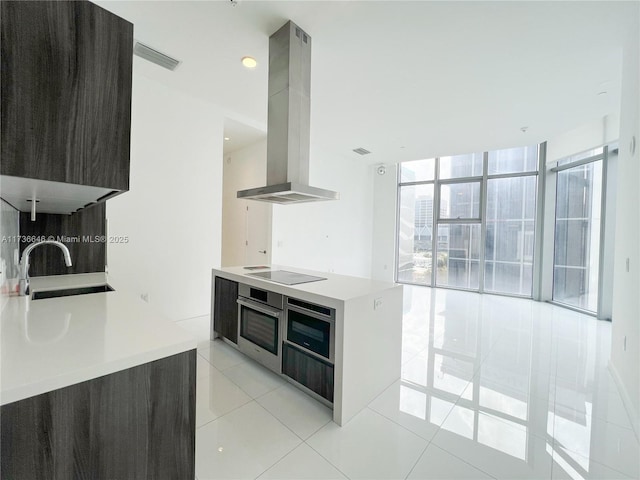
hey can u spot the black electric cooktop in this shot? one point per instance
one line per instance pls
(285, 277)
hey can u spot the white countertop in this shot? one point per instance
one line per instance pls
(53, 343)
(335, 287)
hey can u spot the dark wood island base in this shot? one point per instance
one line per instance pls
(138, 423)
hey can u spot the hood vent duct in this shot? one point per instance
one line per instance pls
(288, 122)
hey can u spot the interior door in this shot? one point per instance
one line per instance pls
(258, 239)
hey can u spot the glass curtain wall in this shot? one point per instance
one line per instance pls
(510, 214)
(415, 222)
(475, 215)
(577, 236)
(415, 235)
(459, 220)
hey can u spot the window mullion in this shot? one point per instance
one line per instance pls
(483, 221)
(434, 222)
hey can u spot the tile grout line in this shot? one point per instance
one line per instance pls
(233, 409)
(418, 460)
(208, 315)
(554, 358)
(245, 392)
(322, 456)
(279, 459)
(302, 440)
(463, 460)
(226, 413)
(458, 458)
(403, 427)
(220, 416)
(225, 368)
(411, 432)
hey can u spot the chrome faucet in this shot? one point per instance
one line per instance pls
(24, 262)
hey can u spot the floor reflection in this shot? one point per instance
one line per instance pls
(506, 377)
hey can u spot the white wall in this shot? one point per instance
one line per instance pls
(626, 286)
(331, 236)
(585, 137)
(243, 168)
(383, 263)
(172, 213)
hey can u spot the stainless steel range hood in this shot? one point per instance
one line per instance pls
(288, 122)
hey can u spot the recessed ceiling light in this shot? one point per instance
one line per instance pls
(602, 93)
(249, 62)
(524, 129)
(227, 138)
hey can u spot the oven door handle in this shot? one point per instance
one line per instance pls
(267, 310)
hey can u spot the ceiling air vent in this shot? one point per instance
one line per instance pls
(361, 151)
(154, 56)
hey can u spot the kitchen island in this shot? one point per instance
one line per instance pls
(94, 386)
(367, 329)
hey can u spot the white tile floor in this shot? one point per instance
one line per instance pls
(490, 387)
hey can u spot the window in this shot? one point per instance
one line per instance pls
(580, 157)
(461, 166)
(459, 249)
(511, 213)
(468, 221)
(513, 160)
(415, 234)
(418, 170)
(577, 236)
(460, 201)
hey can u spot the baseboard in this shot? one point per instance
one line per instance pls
(626, 400)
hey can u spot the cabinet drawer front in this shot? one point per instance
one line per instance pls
(309, 371)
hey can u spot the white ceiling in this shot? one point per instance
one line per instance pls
(404, 80)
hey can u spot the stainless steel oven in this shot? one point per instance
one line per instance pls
(260, 318)
(311, 328)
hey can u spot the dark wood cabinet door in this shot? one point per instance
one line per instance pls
(307, 370)
(66, 93)
(138, 423)
(225, 311)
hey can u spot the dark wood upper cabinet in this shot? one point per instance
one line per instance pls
(66, 93)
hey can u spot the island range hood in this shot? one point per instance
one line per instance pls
(288, 122)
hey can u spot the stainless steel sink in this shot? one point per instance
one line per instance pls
(67, 292)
